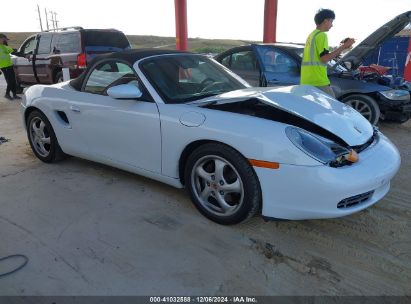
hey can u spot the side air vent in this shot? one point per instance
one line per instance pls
(63, 116)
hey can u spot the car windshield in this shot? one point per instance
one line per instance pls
(188, 77)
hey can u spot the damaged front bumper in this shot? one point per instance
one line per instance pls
(395, 110)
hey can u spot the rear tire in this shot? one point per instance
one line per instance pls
(222, 184)
(365, 105)
(42, 138)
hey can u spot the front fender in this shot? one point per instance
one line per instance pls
(254, 138)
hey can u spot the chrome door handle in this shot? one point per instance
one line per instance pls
(75, 109)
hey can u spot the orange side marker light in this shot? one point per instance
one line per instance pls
(352, 156)
(264, 164)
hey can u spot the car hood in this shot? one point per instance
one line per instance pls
(362, 50)
(308, 103)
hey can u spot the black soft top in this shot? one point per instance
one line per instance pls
(129, 56)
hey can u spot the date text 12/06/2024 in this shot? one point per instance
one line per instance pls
(220, 299)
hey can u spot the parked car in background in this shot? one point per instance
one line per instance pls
(279, 64)
(185, 120)
(41, 57)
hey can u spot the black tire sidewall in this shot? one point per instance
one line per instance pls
(370, 102)
(252, 191)
(54, 147)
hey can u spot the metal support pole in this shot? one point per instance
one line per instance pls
(41, 24)
(52, 20)
(181, 24)
(47, 20)
(270, 21)
(55, 20)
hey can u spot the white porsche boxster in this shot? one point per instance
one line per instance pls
(185, 120)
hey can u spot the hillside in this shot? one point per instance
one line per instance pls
(139, 41)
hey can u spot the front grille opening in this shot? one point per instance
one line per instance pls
(355, 200)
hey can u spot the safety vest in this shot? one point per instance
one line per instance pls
(5, 59)
(313, 70)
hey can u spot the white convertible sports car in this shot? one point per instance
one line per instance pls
(185, 120)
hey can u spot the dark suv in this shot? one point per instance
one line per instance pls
(41, 57)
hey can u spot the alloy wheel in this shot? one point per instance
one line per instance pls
(361, 107)
(40, 136)
(217, 185)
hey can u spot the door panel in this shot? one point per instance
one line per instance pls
(23, 67)
(252, 77)
(244, 63)
(23, 64)
(124, 131)
(43, 68)
(279, 69)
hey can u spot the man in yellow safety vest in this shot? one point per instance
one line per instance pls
(6, 66)
(317, 54)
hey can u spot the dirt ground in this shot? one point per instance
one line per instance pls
(88, 229)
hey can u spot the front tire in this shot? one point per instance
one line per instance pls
(42, 138)
(222, 184)
(365, 105)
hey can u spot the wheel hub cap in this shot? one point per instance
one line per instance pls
(217, 185)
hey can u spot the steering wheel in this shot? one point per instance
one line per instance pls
(206, 81)
(211, 85)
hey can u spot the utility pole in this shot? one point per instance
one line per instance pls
(52, 20)
(55, 20)
(47, 20)
(38, 10)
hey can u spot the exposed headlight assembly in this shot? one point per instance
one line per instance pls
(320, 148)
(396, 94)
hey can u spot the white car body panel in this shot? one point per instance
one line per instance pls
(105, 122)
(314, 105)
(229, 128)
(148, 138)
(314, 193)
(98, 125)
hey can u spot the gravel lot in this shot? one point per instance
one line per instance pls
(89, 229)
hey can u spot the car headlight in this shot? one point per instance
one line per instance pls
(320, 148)
(396, 94)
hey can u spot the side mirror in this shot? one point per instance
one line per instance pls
(56, 51)
(124, 91)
